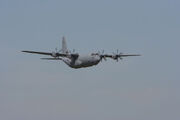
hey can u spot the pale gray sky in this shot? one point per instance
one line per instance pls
(137, 88)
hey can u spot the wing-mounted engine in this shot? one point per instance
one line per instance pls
(115, 56)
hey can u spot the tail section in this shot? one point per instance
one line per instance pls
(64, 46)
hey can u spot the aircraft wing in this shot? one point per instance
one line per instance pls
(54, 54)
(34, 52)
(46, 53)
(118, 56)
(51, 58)
(128, 55)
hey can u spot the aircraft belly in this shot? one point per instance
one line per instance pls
(89, 63)
(84, 61)
(81, 64)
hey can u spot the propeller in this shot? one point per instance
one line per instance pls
(102, 56)
(120, 56)
(117, 55)
(55, 53)
(56, 49)
(73, 51)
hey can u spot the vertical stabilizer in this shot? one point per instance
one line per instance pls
(64, 46)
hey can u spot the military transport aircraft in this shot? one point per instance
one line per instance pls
(75, 60)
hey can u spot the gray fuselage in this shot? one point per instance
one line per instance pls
(82, 61)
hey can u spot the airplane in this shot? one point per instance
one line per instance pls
(76, 60)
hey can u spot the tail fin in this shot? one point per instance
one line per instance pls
(64, 46)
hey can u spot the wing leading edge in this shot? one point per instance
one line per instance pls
(34, 52)
(118, 56)
(55, 55)
(47, 53)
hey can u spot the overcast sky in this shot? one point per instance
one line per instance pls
(136, 88)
